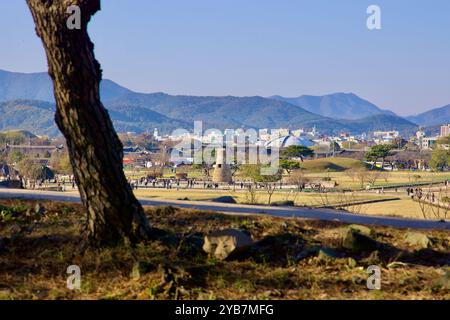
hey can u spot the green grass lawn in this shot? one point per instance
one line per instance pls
(386, 179)
(317, 170)
(335, 169)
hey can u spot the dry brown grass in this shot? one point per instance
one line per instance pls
(39, 248)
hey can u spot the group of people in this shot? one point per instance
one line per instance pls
(61, 183)
(417, 193)
(154, 183)
(170, 183)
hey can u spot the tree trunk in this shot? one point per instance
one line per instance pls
(113, 212)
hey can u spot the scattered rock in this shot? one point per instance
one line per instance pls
(39, 209)
(272, 293)
(418, 239)
(284, 225)
(224, 199)
(286, 203)
(281, 248)
(397, 264)
(357, 242)
(191, 245)
(41, 294)
(326, 254)
(306, 252)
(140, 268)
(358, 228)
(226, 243)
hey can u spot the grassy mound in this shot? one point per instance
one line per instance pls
(332, 164)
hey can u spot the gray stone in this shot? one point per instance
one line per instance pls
(226, 243)
(272, 293)
(327, 254)
(418, 239)
(224, 199)
(357, 242)
(41, 294)
(285, 203)
(307, 252)
(11, 184)
(39, 209)
(359, 228)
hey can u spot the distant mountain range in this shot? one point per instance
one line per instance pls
(38, 117)
(30, 115)
(33, 86)
(346, 106)
(434, 117)
(28, 104)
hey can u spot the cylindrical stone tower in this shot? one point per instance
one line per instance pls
(222, 171)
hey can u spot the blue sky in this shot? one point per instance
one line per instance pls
(261, 47)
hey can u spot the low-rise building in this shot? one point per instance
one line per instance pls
(429, 143)
(385, 137)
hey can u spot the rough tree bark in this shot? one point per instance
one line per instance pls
(113, 212)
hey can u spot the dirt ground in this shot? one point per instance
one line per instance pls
(39, 241)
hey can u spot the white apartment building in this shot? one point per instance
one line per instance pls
(445, 130)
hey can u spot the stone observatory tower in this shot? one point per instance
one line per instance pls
(222, 171)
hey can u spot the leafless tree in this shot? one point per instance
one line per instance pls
(434, 202)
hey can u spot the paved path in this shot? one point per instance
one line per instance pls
(239, 209)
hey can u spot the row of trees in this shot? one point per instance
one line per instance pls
(269, 182)
(22, 137)
(29, 167)
(440, 160)
(366, 177)
(440, 157)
